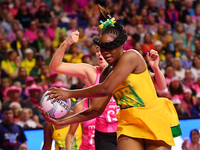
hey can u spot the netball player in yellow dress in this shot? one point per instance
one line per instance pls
(146, 122)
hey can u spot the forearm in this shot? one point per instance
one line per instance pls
(85, 115)
(69, 141)
(57, 57)
(159, 78)
(91, 92)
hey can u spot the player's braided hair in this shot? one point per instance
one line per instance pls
(117, 29)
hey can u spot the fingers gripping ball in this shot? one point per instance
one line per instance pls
(57, 109)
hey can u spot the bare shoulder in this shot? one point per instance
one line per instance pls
(131, 56)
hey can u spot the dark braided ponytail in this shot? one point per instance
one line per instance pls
(117, 30)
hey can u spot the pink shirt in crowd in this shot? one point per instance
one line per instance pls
(50, 33)
(31, 35)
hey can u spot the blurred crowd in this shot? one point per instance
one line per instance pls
(32, 30)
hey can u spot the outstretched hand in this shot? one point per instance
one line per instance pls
(57, 93)
(48, 118)
(153, 58)
(72, 38)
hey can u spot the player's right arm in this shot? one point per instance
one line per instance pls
(73, 127)
(47, 137)
(84, 71)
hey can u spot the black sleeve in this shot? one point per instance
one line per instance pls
(23, 137)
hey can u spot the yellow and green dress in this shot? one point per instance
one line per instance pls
(59, 136)
(142, 114)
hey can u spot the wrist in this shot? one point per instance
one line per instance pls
(155, 68)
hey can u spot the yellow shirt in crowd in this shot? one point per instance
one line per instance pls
(28, 65)
(9, 65)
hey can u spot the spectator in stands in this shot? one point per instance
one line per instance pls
(143, 17)
(25, 119)
(34, 6)
(75, 54)
(194, 144)
(151, 26)
(4, 11)
(52, 78)
(176, 88)
(179, 108)
(43, 16)
(21, 77)
(45, 77)
(11, 64)
(163, 36)
(167, 62)
(162, 19)
(196, 17)
(5, 83)
(197, 46)
(15, 8)
(16, 108)
(36, 72)
(12, 35)
(34, 95)
(159, 49)
(16, 44)
(24, 16)
(172, 14)
(196, 67)
(188, 11)
(187, 61)
(7, 23)
(25, 44)
(152, 9)
(57, 10)
(189, 24)
(179, 49)
(31, 33)
(188, 101)
(48, 49)
(91, 10)
(13, 95)
(148, 43)
(93, 28)
(141, 31)
(188, 80)
(169, 74)
(38, 44)
(197, 31)
(131, 41)
(11, 134)
(3, 49)
(55, 33)
(195, 110)
(138, 47)
(179, 71)
(72, 27)
(70, 7)
(29, 62)
(131, 26)
(179, 33)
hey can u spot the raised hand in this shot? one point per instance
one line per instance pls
(153, 58)
(73, 38)
(57, 93)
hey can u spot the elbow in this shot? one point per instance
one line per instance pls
(105, 91)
